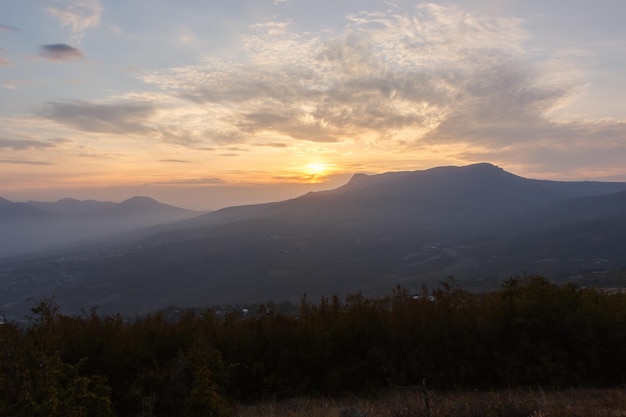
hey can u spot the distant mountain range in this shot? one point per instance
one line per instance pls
(478, 223)
(35, 226)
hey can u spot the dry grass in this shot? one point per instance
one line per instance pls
(412, 403)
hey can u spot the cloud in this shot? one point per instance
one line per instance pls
(60, 52)
(7, 28)
(193, 181)
(143, 116)
(77, 15)
(177, 135)
(22, 144)
(580, 148)
(273, 145)
(176, 161)
(23, 162)
(90, 152)
(419, 78)
(416, 78)
(394, 75)
(115, 118)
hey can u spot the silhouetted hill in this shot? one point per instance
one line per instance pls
(73, 207)
(40, 226)
(445, 200)
(10, 211)
(478, 222)
(141, 203)
(132, 206)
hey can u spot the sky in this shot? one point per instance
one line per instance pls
(209, 103)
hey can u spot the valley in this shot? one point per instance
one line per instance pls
(477, 223)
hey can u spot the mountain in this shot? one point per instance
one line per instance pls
(138, 205)
(73, 207)
(34, 226)
(148, 206)
(444, 200)
(478, 222)
(10, 211)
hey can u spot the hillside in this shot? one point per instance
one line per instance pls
(479, 223)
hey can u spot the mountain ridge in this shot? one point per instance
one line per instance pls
(33, 226)
(478, 222)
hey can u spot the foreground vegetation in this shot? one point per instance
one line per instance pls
(531, 333)
(413, 403)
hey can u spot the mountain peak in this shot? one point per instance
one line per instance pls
(481, 169)
(358, 178)
(139, 201)
(485, 166)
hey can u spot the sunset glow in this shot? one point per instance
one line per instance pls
(316, 169)
(195, 103)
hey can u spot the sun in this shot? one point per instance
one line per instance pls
(316, 169)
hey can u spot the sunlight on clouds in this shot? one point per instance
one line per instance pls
(401, 88)
(385, 73)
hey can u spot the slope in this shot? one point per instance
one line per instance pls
(477, 222)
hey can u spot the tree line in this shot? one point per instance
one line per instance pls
(530, 332)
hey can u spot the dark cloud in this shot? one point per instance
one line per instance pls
(23, 162)
(94, 155)
(60, 52)
(22, 144)
(60, 141)
(194, 181)
(7, 28)
(176, 161)
(273, 145)
(118, 118)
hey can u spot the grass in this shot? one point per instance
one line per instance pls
(412, 403)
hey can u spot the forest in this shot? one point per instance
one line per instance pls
(529, 333)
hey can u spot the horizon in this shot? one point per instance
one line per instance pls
(204, 105)
(240, 199)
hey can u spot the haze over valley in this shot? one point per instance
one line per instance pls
(478, 223)
(34, 226)
(196, 153)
